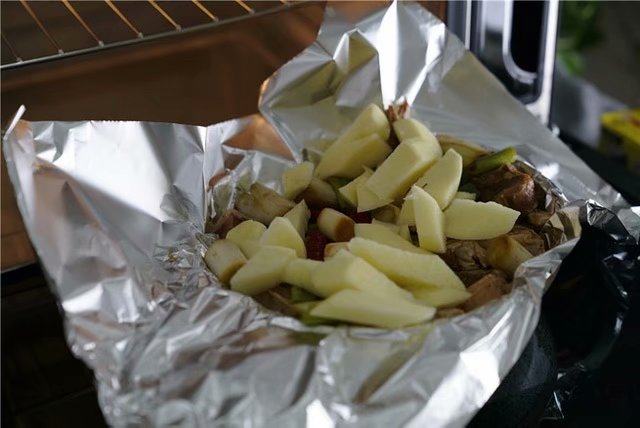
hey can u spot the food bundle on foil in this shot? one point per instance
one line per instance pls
(120, 215)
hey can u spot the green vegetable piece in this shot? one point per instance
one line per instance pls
(299, 295)
(492, 161)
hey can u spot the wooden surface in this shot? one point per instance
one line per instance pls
(199, 77)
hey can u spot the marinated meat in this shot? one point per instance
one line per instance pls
(538, 218)
(226, 222)
(394, 113)
(484, 290)
(468, 277)
(507, 186)
(528, 238)
(262, 204)
(465, 255)
(449, 312)
(315, 243)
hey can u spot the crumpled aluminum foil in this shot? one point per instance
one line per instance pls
(116, 212)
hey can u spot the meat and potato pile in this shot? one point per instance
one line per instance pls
(391, 227)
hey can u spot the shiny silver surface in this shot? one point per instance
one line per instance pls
(116, 211)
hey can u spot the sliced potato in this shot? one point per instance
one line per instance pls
(335, 225)
(469, 151)
(465, 195)
(406, 215)
(391, 226)
(348, 161)
(345, 270)
(298, 272)
(404, 232)
(387, 214)
(263, 271)
(443, 179)
(506, 254)
(224, 258)
(383, 235)
(371, 120)
(440, 298)
(407, 269)
(296, 179)
(349, 191)
(247, 236)
(403, 167)
(367, 200)
(429, 221)
(319, 194)
(407, 129)
(334, 248)
(370, 309)
(470, 220)
(299, 217)
(262, 204)
(281, 233)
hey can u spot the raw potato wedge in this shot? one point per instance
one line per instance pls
(281, 233)
(387, 214)
(406, 213)
(348, 162)
(262, 204)
(383, 235)
(367, 200)
(403, 231)
(465, 195)
(335, 225)
(224, 258)
(344, 270)
(296, 179)
(505, 253)
(298, 272)
(407, 129)
(247, 236)
(443, 179)
(350, 191)
(392, 227)
(429, 221)
(319, 194)
(372, 120)
(440, 298)
(334, 248)
(263, 271)
(299, 218)
(407, 269)
(469, 151)
(403, 167)
(370, 309)
(465, 219)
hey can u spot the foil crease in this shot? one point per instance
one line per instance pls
(116, 212)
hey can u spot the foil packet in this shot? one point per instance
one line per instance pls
(117, 212)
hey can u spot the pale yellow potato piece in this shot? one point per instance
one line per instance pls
(440, 298)
(298, 272)
(506, 254)
(403, 231)
(350, 190)
(408, 161)
(335, 225)
(319, 194)
(374, 310)
(299, 218)
(296, 179)
(392, 227)
(406, 215)
(467, 150)
(407, 269)
(333, 248)
(367, 200)
(344, 270)
(387, 214)
(466, 219)
(247, 236)
(383, 235)
(263, 271)
(465, 195)
(407, 129)
(224, 258)
(348, 161)
(281, 233)
(443, 179)
(429, 221)
(372, 120)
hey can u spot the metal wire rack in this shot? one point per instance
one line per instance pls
(34, 32)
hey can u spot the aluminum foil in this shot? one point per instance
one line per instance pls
(116, 212)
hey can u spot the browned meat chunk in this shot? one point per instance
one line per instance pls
(465, 255)
(225, 223)
(507, 186)
(538, 218)
(483, 291)
(468, 277)
(528, 238)
(449, 312)
(262, 204)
